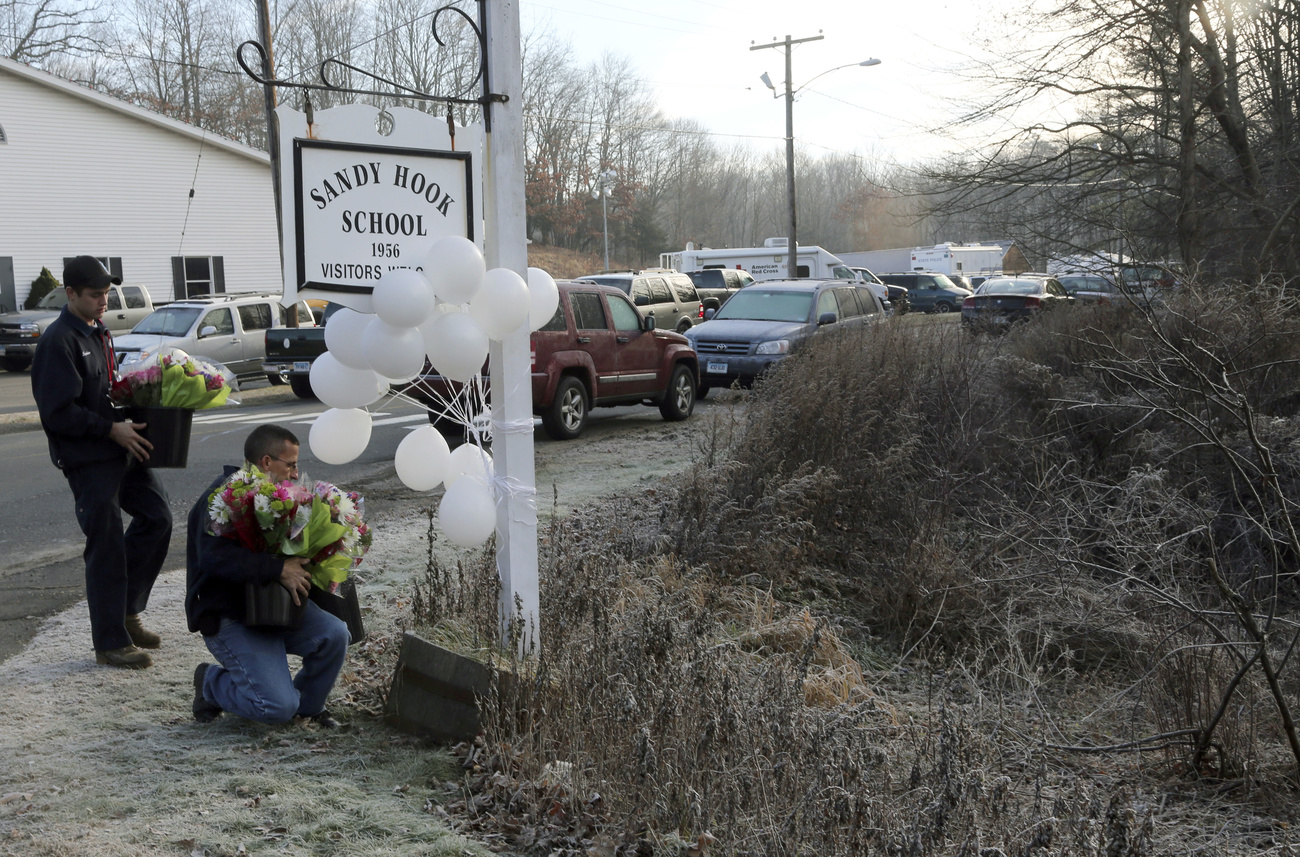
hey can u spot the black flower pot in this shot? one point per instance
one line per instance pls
(343, 604)
(270, 606)
(168, 429)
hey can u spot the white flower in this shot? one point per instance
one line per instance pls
(218, 509)
(262, 503)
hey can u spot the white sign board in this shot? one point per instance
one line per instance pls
(358, 203)
(364, 210)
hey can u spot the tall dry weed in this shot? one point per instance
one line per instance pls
(933, 593)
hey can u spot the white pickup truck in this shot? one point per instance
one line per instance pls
(19, 331)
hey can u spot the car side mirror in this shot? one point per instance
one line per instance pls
(207, 331)
(710, 313)
(826, 318)
(648, 323)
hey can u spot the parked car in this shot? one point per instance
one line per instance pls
(227, 329)
(928, 291)
(1003, 300)
(664, 295)
(873, 282)
(598, 350)
(290, 351)
(962, 281)
(1089, 288)
(766, 321)
(715, 285)
(20, 331)
(899, 299)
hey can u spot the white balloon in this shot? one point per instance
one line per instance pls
(339, 435)
(467, 513)
(470, 460)
(393, 352)
(341, 386)
(422, 459)
(343, 334)
(403, 297)
(454, 267)
(456, 345)
(543, 298)
(502, 303)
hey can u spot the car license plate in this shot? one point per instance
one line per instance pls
(715, 367)
(301, 366)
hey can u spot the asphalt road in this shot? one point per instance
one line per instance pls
(43, 572)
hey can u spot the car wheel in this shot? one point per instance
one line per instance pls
(277, 379)
(684, 326)
(679, 400)
(567, 415)
(301, 386)
(15, 364)
(943, 306)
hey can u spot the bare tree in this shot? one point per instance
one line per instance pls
(33, 31)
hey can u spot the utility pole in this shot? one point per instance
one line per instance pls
(792, 242)
(273, 133)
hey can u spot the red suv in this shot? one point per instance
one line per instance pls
(599, 351)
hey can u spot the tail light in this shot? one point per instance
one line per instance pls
(969, 303)
(532, 358)
(1033, 303)
(701, 311)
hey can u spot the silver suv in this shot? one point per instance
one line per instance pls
(663, 294)
(227, 329)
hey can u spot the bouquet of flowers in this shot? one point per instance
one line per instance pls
(173, 381)
(316, 521)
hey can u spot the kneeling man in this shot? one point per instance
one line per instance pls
(253, 678)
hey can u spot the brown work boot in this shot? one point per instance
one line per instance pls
(140, 635)
(127, 657)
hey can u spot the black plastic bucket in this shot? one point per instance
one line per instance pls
(269, 605)
(343, 604)
(168, 429)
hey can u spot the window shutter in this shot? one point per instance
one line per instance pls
(218, 275)
(178, 278)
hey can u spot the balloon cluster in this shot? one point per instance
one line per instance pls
(448, 312)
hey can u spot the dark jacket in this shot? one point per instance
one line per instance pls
(70, 382)
(217, 569)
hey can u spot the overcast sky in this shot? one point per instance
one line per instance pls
(696, 55)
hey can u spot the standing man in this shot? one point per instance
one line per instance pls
(102, 460)
(253, 679)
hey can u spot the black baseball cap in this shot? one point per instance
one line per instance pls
(87, 272)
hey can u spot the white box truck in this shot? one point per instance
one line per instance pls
(965, 259)
(768, 262)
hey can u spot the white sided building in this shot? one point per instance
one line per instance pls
(164, 204)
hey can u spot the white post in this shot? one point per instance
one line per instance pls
(511, 382)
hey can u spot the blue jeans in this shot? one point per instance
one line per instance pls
(253, 680)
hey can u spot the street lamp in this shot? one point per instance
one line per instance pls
(604, 187)
(792, 242)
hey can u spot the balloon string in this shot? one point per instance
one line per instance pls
(509, 486)
(502, 427)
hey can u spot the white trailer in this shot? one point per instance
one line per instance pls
(880, 261)
(763, 263)
(965, 259)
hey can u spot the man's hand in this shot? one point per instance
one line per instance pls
(128, 436)
(295, 578)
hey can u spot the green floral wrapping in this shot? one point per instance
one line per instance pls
(190, 389)
(319, 533)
